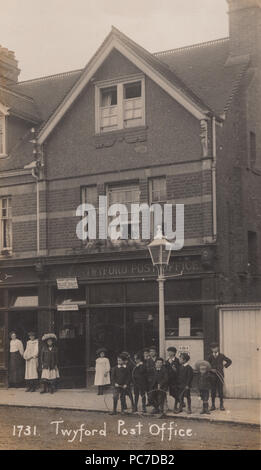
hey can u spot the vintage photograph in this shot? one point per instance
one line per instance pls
(130, 226)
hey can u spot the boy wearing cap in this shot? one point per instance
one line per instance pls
(139, 376)
(172, 365)
(150, 364)
(159, 387)
(217, 361)
(185, 378)
(121, 378)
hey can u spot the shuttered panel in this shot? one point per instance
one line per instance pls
(240, 331)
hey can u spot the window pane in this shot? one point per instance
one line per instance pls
(109, 96)
(158, 190)
(132, 90)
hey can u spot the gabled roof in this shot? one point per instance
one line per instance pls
(146, 62)
(199, 75)
(19, 105)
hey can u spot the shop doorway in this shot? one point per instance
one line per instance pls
(22, 322)
(70, 329)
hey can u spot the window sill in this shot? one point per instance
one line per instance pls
(184, 337)
(3, 155)
(129, 135)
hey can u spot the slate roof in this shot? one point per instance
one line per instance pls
(199, 71)
(206, 70)
(22, 106)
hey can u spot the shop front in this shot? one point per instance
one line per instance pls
(112, 304)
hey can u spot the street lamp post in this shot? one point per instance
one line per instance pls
(160, 252)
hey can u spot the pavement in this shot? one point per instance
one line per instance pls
(238, 411)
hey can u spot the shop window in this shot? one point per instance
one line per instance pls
(107, 293)
(182, 322)
(2, 136)
(120, 105)
(142, 292)
(26, 297)
(5, 224)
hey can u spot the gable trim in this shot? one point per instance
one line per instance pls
(92, 67)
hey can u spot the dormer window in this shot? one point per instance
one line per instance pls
(120, 105)
(2, 136)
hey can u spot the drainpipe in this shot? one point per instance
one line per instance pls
(214, 187)
(36, 176)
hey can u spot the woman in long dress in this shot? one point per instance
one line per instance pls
(31, 362)
(102, 370)
(16, 362)
(49, 361)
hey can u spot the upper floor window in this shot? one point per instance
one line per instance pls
(158, 190)
(5, 223)
(124, 194)
(120, 105)
(2, 136)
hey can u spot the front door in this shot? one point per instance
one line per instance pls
(240, 340)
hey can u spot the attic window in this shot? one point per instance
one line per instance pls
(120, 105)
(2, 136)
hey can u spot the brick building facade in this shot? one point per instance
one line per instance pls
(188, 124)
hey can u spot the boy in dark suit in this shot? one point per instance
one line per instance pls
(121, 378)
(204, 384)
(185, 378)
(172, 365)
(139, 376)
(217, 361)
(150, 364)
(159, 387)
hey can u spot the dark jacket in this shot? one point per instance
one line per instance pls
(204, 381)
(160, 378)
(120, 375)
(49, 358)
(173, 370)
(218, 362)
(185, 377)
(139, 376)
(150, 366)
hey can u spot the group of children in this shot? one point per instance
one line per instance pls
(151, 377)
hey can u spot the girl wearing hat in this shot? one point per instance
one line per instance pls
(102, 370)
(49, 361)
(16, 363)
(31, 362)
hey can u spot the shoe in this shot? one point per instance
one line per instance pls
(43, 391)
(213, 408)
(113, 413)
(189, 412)
(28, 389)
(144, 410)
(155, 411)
(202, 411)
(161, 415)
(222, 408)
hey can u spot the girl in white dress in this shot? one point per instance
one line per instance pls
(31, 362)
(102, 370)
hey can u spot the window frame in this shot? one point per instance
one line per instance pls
(8, 218)
(126, 186)
(119, 83)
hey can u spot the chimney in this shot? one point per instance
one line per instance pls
(9, 70)
(245, 30)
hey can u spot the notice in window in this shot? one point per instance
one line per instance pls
(184, 326)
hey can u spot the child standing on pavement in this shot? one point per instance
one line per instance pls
(139, 376)
(185, 378)
(121, 378)
(102, 370)
(204, 384)
(217, 361)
